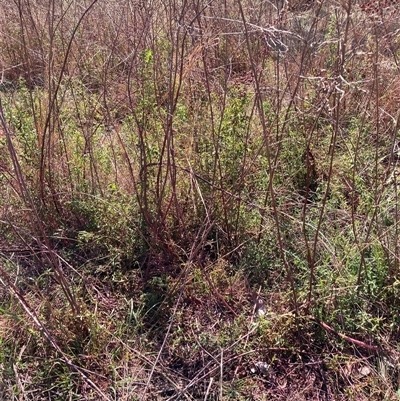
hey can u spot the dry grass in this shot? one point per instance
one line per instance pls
(164, 167)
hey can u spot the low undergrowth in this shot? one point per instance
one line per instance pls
(199, 201)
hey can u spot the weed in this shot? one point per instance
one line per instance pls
(165, 166)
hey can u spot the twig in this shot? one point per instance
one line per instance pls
(351, 340)
(208, 388)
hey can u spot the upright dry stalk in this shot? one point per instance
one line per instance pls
(271, 166)
(36, 223)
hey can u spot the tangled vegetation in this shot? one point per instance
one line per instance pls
(199, 200)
